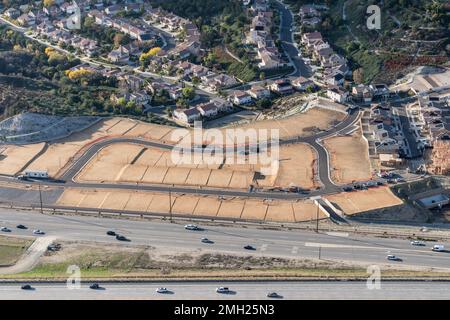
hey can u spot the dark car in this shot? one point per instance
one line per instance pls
(110, 233)
(121, 238)
(94, 286)
(348, 189)
(249, 247)
(21, 226)
(26, 287)
(273, 295)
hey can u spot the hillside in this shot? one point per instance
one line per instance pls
(413, 33)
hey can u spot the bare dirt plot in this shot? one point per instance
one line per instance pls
(185, 204)
(231, 208)
(364, 200)
(133, 173)
(198, 177)
(92, 199)
(14, 158)
(116, 200)
(139, 130)
(161, 133)
(299, 124)
(139, 201)
(54, 158)
(349, 158)
(119, 153)
(160, 203)
(220, 178)
(71, 198)
(150, 157)
(254, 210)
(207, 206)
(241, 180)
(297, 166)
(154, 175)
(176, 176)
(121, 127)
(280, 211)
(98, 171)
(307, 211)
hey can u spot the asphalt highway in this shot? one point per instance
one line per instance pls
(239, 290)
(287, 244)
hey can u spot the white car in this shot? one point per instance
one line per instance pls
(417, 243)
(438, 248)
(37, 231)
(5, 229)
(162, 290)
(223, 290)
(191, 227)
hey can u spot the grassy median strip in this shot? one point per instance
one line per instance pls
(11, 249)
(149, 263)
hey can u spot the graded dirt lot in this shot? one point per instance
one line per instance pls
(124, 162)
(364, 200)
(349, 158)
(14, 158)
(182, 204)
(299, 124)
(297, 166)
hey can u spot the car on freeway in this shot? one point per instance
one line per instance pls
(192, 227)
(21, 226)
(5, 229)
(110, 233)
(121, 238)
(249, 247)
(37, 231)
(26, 287)
(162, 290)
(438, 248)
(418, 243)
(392, 257)
(206, 240)
(348, 189)
(94, 286)
(223, 290)
(273, 295)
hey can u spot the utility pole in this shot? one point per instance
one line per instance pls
(40, 197)
(317, 218)
(170, 205)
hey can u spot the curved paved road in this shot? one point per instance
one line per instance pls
(314, 141)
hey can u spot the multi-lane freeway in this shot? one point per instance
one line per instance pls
(297, 290)
(287, 244)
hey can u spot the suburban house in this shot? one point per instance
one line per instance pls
(281, 86)
(241, 98)
(187, 115)
(337, 94)
(258, 92)
(208, 109)
(27, 19)
(12, 13)
(362, 93)
(119, 55)
(302, 83)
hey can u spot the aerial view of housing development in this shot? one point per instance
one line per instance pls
(194, 150)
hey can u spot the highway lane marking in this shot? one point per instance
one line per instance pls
(342, 246)
(338, 234)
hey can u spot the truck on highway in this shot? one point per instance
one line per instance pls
(438, 248)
